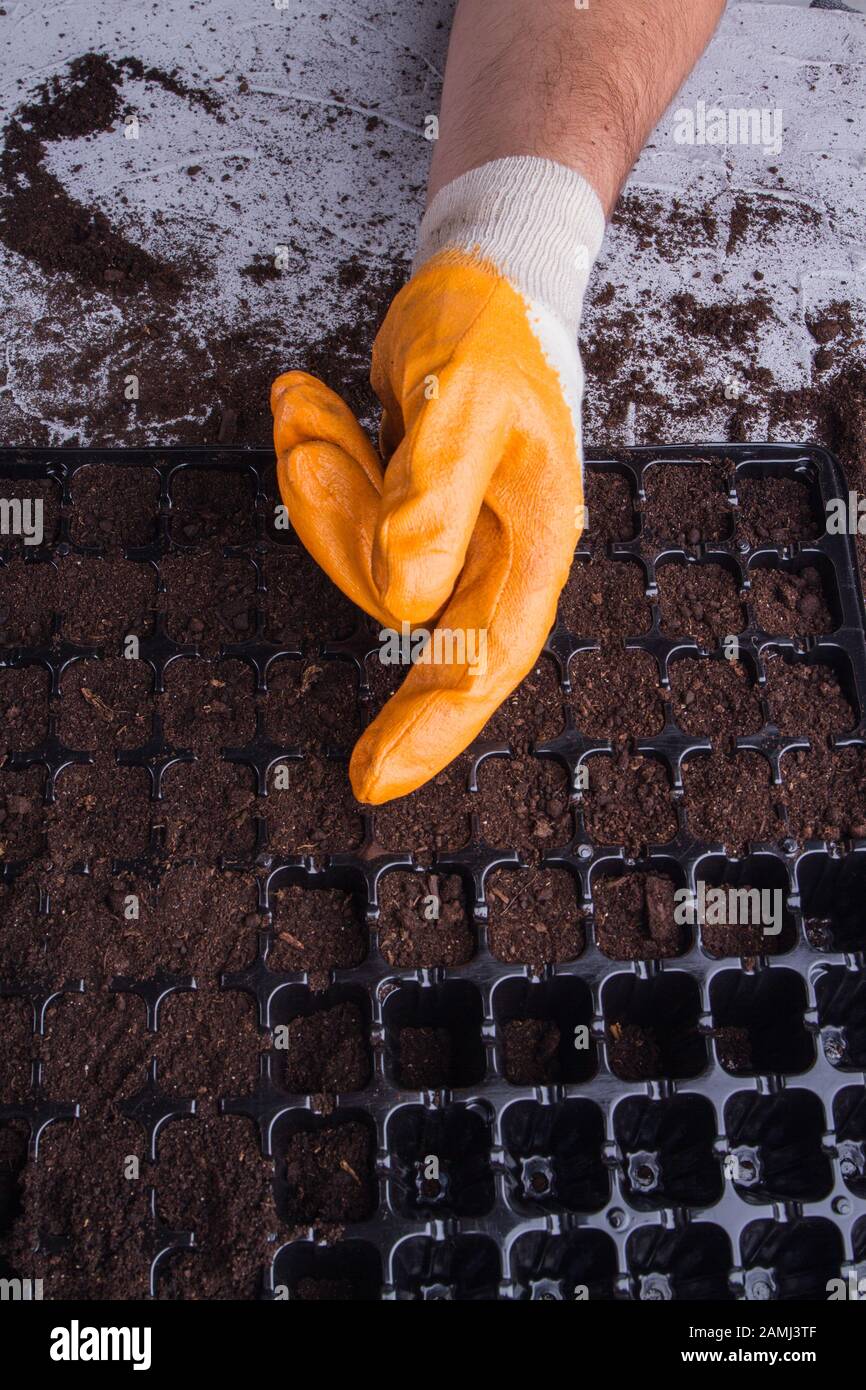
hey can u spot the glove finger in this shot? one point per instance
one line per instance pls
(502, 611)
(305, 409)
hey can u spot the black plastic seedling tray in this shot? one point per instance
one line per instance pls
(701, 1185)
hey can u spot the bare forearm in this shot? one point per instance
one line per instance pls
(584, 87)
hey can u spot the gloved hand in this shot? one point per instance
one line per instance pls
(471, 525)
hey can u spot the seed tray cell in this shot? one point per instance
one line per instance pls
(452, 1048)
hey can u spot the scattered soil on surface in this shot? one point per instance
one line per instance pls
(411, 936)
(616, 693)
(609, 504)
(629, 802)
(535, 918)
(700, 602)
(806, 699)
(687, 505)
(775, 511)
(605, 599)
(714, 699)
(791, 604)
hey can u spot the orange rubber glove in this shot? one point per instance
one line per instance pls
(471, 526)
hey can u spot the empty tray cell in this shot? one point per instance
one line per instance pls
(433, 1035)
(651, 1026)
(313, 704)
(424, 920)
(322, 1040)
(22, 814)
(524, 804)
(807, 697)
(209, 600)
(19, 1047)
(104, 599)
(635, 915)
(535, 916)
(30, 513)
(687, 1264)
(29, 592)
(208, 705)
(441, 1161)
(105, 703)
(628, 802)
(605, 599)
(667, 1155)
(742, 909)
(350, 1271)
(730, 800)
(774, 1143)
(687, 503)
(714, 699)
(207, 810)
(23, 707)
(299, 600)
(577, 1267)
(212, 1180)
(609, 503)
(825, 793)
(532, 713)
(325, 1168)
(791, 1259)
(849, 1123)
(310, 806)
(700, 602)
(464, 1269)
(758, 1022)
(777, 511)
(212, 506)
(796, 601)
(316, 929)
(616, 693)
(435, 817)
(554, 1156)
(114, 506)
(832, 893)
(543, 1030)
(841, 996)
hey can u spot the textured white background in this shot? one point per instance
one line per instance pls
(304, 168)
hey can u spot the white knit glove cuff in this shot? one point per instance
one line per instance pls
(540, 223)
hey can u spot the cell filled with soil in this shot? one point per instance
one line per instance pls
(700, 602)
(207, 810)
(310, 807)
(605, 599)
(316, 930)
(105, 702)
(301, 602)
(100, 812)
(730, 800)
(435, 817)
(209, 599)
(775, 511)
(825, 792)
(328, 1175)
(424, 921)
(23, 707)
(535, 916)
(19, 1048)
(806, 698)
(714, 699)
(312, 703)
(327, 1051)
(212, 506)
(525, 804)
(635, 917)
(208, 705)
(616, 692)
(530, 714)
(628, 802)
(687, 504)
(29, 597)
(34, 513)
(609, 502)
(22, 813)
(103, 598)
(114, 507)
(791, 604)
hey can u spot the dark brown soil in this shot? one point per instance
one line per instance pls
(411, 936)
(634, 917)
(700, 602)
(730, 800)
(775, 511)
(535, 918)
(747, 939)
(531, 1047)
(629, 802)
(605, 599)
(23, 707)
(114, 507)
(616, 692)
(327, 1051)
(714, 699)
(791, 604)
(426, 1059)
(610, 508)
(316, 932)
(687, 505)
(525, 805)
(329, 1174)
(825, 793)
(633, 1052)
(734, 1046)
(806, 699)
